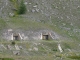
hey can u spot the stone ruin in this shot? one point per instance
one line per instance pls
(46, 36)
(30, 35)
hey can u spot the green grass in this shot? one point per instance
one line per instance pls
(6, 59)
(2, 24)
(74, 57)
(21, 23)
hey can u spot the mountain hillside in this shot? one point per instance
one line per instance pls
(63, 14)
(58, 18)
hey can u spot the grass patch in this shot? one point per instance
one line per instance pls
(6, 59)
(25, 24)
(2, 24)
(74, 57)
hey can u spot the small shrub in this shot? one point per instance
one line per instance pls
(21, 8)
(13, 43)
(54, 49)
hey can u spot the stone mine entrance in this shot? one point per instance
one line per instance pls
(45, 37)
(16, 36)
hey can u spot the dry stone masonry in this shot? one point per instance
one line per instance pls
(30, 35)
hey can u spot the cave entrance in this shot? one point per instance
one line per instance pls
(45, 37)
(16, 37)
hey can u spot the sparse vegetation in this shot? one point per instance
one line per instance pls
(2, 24)
(20, 7)
(74, 57)
(15, 3)
(47, 49)
(6, 59)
